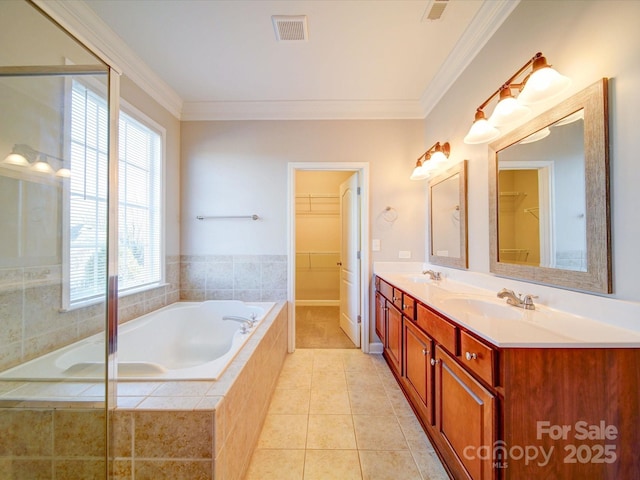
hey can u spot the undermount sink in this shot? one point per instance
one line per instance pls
(482, 307)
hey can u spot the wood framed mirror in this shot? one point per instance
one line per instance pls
(549, 196)
(448, 218)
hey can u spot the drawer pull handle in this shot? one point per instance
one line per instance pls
(434, 362)
(471, 356)
(425, 351)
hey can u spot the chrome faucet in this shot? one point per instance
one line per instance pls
(247, 323)
(519, 301)
(433, 275)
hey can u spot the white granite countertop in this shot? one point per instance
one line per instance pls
(481, 312)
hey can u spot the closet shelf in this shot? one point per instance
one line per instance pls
(317, 204)
(317, 260)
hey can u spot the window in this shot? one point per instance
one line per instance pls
(139, 206)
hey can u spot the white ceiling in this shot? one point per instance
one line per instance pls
(218, 59)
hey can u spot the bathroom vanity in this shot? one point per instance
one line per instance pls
(508, 393)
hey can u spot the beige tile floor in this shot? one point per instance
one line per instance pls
(339, 414)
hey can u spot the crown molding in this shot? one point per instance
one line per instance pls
(85, 25)
(484, 24)
(303, 110)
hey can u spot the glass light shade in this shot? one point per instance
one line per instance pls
(543, 84)
(42, 166)
(534, 137)
(16, 160)
(419, 173)
(507, 111)
(481, 131)
(63, 173)
(438, 157)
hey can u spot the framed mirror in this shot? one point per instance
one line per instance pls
(448, 217)
(549, 196)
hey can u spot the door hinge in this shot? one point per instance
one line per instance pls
(358, 255)
(359, 318)
(358, 191)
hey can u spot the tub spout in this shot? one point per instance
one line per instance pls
(247, 323)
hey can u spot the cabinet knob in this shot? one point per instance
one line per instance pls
(425, 351)
(434, 362)
(471, 356)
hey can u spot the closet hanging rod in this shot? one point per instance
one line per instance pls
(212, 217)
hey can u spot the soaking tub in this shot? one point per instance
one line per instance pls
(183, 341)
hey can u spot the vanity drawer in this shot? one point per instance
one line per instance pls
(408, 306)
(437, 328)
(385, 289)
(397, 298)
(478, 357)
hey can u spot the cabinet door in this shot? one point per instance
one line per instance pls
(418, 371)
(393, 346)
(381, 314)
(465, 417)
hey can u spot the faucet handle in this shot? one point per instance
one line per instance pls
(527, 301)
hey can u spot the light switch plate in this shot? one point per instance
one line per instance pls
(375, 244)
(404, 254)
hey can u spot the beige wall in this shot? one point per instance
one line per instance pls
(240, 167)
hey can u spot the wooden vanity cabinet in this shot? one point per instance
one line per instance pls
(393, 346)
(418, 372)
(465, 418)
(381, 317)
(469, 394)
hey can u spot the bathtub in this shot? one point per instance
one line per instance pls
(183, 341)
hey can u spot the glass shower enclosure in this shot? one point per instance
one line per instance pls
(57, 267)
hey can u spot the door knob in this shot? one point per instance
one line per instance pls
(471, 356)
(425, 352)
(434, 362)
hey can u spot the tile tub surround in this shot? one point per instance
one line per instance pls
(250, 278)
(31, 323)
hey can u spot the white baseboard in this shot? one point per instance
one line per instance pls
(375, 348)
(317, 303)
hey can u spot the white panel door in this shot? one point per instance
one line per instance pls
(350, 263)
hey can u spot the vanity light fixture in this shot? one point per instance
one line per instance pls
(541, 83)
(429, 160)
(25, 157)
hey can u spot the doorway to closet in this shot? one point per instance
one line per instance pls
(326, 258)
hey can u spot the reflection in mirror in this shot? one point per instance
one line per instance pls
(541, 198)
(549, 196)
(448, 217)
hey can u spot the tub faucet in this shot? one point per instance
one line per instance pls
(519, 301)
(247, 323)
(433, 275)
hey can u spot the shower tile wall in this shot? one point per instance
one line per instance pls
(33, 323)
(253, 278)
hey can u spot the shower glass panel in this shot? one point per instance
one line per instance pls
(54, 171)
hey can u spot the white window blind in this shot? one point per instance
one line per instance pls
(139, 229)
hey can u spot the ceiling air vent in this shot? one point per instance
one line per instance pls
(434, 10)
(290, 28)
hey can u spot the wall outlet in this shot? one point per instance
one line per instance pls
(404, 254)
(375, 244)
